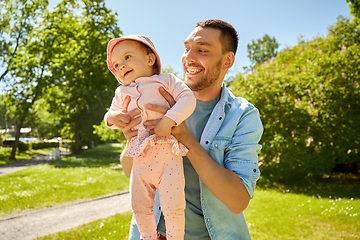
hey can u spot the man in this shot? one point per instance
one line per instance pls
(222, 136)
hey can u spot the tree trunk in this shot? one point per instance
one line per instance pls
(77, 137)
(17, 137)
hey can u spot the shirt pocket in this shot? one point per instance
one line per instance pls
(219, 144)
(217, 149)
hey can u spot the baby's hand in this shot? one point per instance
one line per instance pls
(164, 126)
(119, 118)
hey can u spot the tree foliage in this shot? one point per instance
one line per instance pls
(355, 9)
(87, 86)
(107, 134)
(309, 98)
(26, 60)
(61, 56)
(18, 18)
(262, 49)
(5, 121)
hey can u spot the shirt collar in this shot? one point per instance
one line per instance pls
(225, 95)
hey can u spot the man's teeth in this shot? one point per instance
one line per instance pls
(193, 71)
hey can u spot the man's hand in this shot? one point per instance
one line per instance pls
(164, 127)
(179, 132)
(125, 120)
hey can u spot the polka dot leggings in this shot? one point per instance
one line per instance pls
(162, 169)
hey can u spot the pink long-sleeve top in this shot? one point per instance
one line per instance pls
(145, 90)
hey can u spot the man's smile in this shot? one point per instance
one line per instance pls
(193, 70)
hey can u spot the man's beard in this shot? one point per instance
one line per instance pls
(207, 80)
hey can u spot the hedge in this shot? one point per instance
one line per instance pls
(309, 102)
(36, 145)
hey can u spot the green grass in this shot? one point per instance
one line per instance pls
(5, 154)
(326, 210)
(94, 172)
(277, 215)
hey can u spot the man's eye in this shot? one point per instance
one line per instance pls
(127, 57)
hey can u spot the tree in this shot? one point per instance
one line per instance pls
(26, 60)
(64, 60)
(169, 69)
(262, 49)
(18, 19)
(87, 85)
(355, 9)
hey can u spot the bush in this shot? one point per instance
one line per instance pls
(309, 99)
(107, 134)
(37, 145)
(24, 146)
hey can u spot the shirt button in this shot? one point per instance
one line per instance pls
(220, 118)
(216, 145)
(254, 170)
(208, 220)
(207, 142)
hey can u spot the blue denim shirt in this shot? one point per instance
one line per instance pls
(231, 138)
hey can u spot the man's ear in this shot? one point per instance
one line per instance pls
(229, 60)
(151, 59)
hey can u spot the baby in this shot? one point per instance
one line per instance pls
(157, 160)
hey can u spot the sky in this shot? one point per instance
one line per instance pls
(168, 23)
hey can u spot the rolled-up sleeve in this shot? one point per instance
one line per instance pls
(241, 156)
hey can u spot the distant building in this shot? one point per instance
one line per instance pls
(11, 131)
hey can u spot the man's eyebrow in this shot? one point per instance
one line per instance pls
(198, 43)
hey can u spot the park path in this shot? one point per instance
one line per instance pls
(31, 224)
(26, 163)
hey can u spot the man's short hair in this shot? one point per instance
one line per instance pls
(228, 37)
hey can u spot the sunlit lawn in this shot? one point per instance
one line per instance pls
(326, 209)
(5, 154)
(94, 172)
(329, 209)
(277, 215)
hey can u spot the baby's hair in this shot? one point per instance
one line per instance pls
(148, 50)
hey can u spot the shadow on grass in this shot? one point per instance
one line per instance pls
(338, 185)
(22, 155)
(104, 155)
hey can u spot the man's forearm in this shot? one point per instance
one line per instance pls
(223, 183)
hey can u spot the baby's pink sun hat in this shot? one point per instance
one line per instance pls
(140, 38)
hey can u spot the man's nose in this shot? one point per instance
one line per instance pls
(188, 56)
